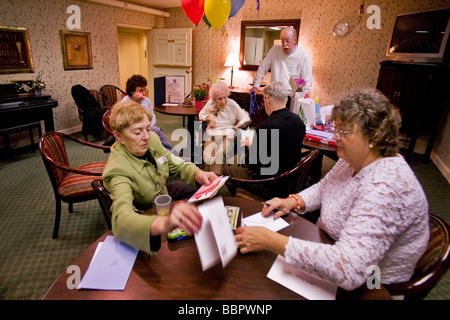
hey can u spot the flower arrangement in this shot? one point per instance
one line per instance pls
(38, 84)
(199, 92)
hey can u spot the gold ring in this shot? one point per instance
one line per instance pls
(241, 244)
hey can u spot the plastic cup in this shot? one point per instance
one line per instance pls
(162, 203)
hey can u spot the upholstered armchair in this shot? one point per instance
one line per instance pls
(112, 93)
(70, 184)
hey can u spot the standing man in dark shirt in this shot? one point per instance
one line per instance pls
(277, 143)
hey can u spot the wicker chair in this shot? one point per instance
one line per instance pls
(70, 184)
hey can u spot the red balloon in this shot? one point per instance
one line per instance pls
(194, 9)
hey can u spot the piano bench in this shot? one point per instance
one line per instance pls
(28, 126)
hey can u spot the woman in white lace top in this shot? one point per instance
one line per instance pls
(370, 203)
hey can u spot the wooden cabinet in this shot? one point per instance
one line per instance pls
(420, 92)
(242, 97)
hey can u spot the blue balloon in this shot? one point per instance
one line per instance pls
(236, 5)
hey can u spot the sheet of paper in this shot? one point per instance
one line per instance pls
(310, 287)
(269, 222)
(111, 266)
(215, 240)
(175, 89)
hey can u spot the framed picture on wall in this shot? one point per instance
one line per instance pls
(76, 50)
(15, 51)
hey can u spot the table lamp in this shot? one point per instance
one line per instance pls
(232, 61)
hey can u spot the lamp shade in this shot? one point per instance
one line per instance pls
(232, 60)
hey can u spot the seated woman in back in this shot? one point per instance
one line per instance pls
(224, 117)
(370, 203)
(137, 172)
(277, 141)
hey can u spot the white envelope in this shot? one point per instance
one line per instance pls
(215, 240)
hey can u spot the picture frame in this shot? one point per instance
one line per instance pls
(15, 50)
(76, 50)
(23, 86)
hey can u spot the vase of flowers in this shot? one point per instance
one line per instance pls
(200, 94)
(38, 84)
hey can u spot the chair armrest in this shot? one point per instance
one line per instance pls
(86, 143)
(70, 169)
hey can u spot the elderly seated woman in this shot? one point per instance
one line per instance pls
(224, 117)
(137, 172)
(370, 203)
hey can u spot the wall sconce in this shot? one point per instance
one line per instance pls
(232, 61)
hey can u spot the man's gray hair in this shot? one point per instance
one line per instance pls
(276, 91)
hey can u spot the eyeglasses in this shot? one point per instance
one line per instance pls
(340, 133)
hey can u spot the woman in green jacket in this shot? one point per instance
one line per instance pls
(136, 173)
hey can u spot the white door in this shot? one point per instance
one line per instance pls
(172, 54)
(172, 47)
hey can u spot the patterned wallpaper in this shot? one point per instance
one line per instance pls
(339, 65)
(44, 19)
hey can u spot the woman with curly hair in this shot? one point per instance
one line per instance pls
(370, 203)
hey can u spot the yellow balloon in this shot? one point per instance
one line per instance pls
(217, 12)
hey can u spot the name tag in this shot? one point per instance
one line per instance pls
(162, 160)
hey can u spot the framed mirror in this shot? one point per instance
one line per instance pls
(257, 37)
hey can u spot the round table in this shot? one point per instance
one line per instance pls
(188, 111)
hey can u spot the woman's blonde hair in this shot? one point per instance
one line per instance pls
(375, 115)
(125, 113)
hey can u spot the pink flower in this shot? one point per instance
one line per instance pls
(300, 83)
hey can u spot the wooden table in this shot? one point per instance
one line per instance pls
(188, 111)
(175, 272)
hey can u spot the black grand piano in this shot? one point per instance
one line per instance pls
(20, 109)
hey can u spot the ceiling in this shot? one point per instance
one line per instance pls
(156, 4)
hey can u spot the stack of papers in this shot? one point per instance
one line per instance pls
(167, 104)
(323, 137)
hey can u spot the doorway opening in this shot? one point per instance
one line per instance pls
(133, 53)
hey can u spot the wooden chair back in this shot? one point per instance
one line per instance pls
(289, 182)
(432, 265)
